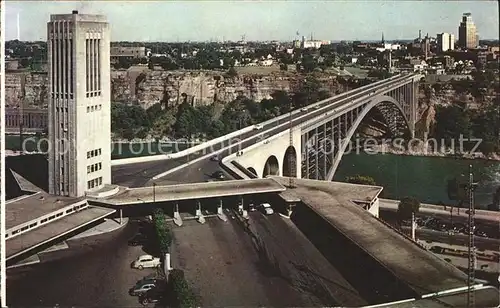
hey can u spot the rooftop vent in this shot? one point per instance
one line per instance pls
(74, 12)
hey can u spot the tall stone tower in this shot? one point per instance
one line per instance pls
(79, 103)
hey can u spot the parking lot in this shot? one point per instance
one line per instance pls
(92, 272)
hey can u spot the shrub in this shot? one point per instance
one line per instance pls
(162, 231)
(181, 294)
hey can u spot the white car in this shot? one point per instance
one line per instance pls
(146, 261)
(257, 127)
(267, 208)
(303, 109)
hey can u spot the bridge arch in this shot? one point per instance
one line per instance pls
(290, 162)
(376, 102)
(271, 167)
(252, 170)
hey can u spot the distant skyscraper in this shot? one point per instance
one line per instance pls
(445, 42)
(79, 104)
(467, 34)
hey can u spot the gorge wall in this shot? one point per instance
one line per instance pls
(146, 87)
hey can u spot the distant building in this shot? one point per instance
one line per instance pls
(445, 42)
(79, 122)
(426, 47)
(312, 43)
(467, 34)
(30, 119)
(127, 53)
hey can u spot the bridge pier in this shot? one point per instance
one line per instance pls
(199, 215)
(220, 213)
(177, 216)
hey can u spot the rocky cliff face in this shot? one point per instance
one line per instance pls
(149, 87)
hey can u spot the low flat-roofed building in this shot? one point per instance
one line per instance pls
(127, 52)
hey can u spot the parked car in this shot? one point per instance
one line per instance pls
(152, 296)
(257, 127)
(146, 261)
(141, 288)
(317, 107)
(218, 175)
(137, 240)
(251, 207)
(303, 109)
(266, 207)
(152, 278)
(214, 158)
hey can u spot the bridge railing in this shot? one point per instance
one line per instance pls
(346, 108)
(244, 170)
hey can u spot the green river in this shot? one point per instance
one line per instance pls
(420, 176)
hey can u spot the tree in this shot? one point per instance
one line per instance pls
(408, 207)
(231, 73)
(361, 180)
(452, 121)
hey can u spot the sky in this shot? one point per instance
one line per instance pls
(260, 20)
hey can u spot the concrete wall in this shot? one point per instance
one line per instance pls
(257, 155)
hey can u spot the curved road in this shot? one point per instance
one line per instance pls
(139, 174)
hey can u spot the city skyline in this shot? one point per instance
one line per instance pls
(397, 20)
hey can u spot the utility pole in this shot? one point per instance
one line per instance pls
(154, 192)
(21, 124)
(472, 249)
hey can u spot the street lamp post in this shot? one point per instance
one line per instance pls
(154, 192)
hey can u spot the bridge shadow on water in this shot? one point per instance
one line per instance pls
(374, 283)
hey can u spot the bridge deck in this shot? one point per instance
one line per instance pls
(192, 191)
(419, 269)
(39, 236)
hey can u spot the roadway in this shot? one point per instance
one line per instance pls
(455, 239)
(491, 217)
(139, 174)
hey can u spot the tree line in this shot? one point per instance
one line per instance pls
(211, 121)
(460, 120)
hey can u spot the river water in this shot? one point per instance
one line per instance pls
(423, 177)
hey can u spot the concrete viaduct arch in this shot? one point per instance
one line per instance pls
(289, 162)
(374, 103)
(271, 167)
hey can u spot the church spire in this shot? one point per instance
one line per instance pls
(383, 38)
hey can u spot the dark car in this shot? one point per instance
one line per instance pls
(218, 175)
(137, 240)
(153, 296)
(214, 158)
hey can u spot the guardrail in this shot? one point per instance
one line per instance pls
(188, 151)
(244, 170)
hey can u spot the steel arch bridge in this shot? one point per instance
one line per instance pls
(325, 142)
(313, 146)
